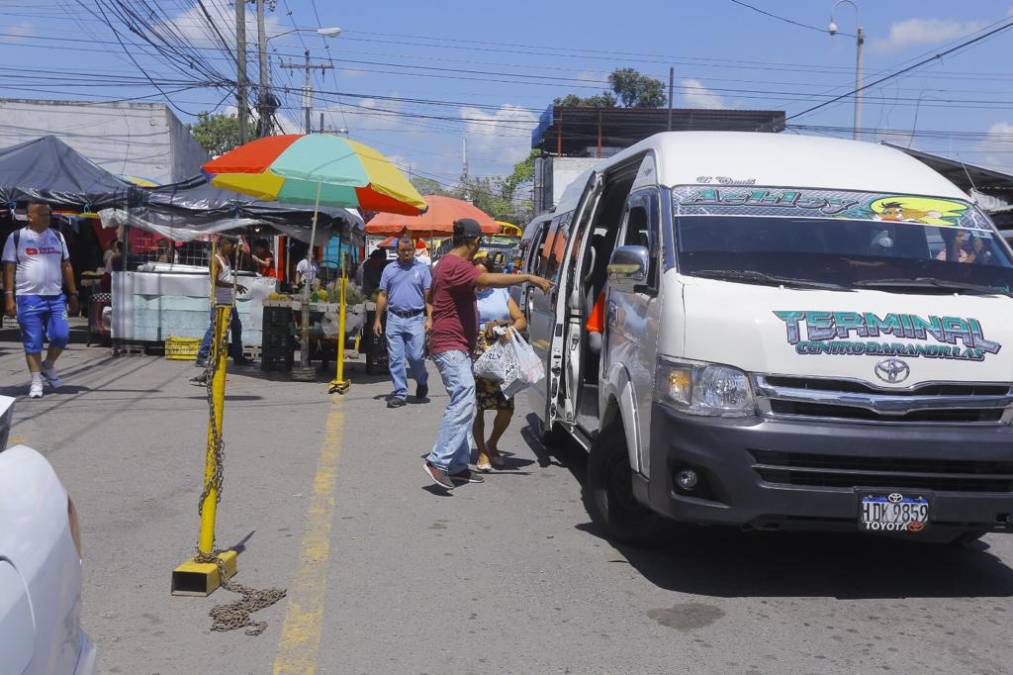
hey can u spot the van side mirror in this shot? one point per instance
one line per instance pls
(628, 267)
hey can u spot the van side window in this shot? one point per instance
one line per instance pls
(555, 247)
(642, 230)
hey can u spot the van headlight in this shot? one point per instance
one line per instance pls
(704, 389)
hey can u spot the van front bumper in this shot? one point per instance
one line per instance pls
(768, 473)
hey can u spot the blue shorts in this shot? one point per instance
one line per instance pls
(42, 317)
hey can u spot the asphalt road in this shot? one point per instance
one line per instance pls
(325, 495)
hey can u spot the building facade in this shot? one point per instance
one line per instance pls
(145, 140)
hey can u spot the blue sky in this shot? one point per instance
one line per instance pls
(486, 69)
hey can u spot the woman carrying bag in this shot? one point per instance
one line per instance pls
(496, 310)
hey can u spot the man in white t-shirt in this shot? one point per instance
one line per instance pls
(36, 269)
(306, 271)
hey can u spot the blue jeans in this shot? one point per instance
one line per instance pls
(235, 349)
(406, 339)
(41, 317)
(452, 450)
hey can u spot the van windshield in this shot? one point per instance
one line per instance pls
(839, 240)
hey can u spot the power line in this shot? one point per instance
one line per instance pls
(907, 69)
(786, 19)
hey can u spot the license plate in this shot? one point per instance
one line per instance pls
(893, 512)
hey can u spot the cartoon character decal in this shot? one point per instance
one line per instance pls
(924, 210)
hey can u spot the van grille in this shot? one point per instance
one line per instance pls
(931, 403)
(812, 470)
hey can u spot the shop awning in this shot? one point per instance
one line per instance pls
(438, 221)
(48, 170)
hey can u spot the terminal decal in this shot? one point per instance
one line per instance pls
(836, 333)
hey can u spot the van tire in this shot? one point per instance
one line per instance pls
(608, 494)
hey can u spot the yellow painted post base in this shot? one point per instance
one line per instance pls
(337, 387)
(200, 578)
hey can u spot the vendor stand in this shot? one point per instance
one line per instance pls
(159, 300)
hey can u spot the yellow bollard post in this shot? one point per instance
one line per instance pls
(210, 569)
(212, 468)
(339, 384)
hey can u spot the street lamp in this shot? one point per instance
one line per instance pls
(330, 31)
(266, 105)
(859, 41)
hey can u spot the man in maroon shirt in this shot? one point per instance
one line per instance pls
(451, 343)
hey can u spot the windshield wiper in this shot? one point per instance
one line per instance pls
(754, 277)
(932, 282)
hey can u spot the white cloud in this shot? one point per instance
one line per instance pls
(18, 33)
(501, 137)
(373, 114)
(699, 96)
(595, 77)
(192, 24)
(913, 32)
(996, 147)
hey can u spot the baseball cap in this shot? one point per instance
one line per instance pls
(467, 228)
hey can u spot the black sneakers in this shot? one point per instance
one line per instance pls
(422, 392)
(438, 475)
(467, 476)
(395, 402)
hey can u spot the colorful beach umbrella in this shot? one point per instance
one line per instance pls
(316, 169)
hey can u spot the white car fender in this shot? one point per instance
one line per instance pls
(618, 387)
(35, 537)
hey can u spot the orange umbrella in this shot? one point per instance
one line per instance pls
(437, 221)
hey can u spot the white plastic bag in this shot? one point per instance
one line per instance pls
(491, 365)
(524, 369)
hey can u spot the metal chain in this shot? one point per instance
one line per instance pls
(236, 615)
(217, 442)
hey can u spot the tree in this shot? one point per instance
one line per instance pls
(633, 89)
(636, 90)
(216, 133)
(602, 100)
(427, 186)
(524, 172)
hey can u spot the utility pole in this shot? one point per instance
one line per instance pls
(859, 41)
(241, 67)
(671, 86)
(321, 122)
(307, 99)
(263, 116)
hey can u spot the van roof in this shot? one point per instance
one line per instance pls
(783, 160)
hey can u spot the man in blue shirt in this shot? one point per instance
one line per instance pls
(404, 293)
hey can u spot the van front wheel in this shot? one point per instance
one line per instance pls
(608, 494)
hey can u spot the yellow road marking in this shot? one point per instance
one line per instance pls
(300, 634)
(18, 440)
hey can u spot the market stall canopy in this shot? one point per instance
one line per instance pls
(316, 169)
(48, 170)
(197, 198)
(193, 208)
(438, 221)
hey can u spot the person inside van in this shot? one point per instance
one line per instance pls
(958, 249)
